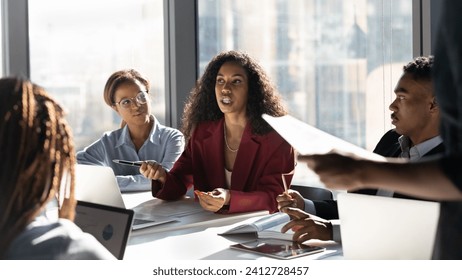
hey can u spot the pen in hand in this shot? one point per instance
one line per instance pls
(290, 198)
(286, 188)
(126, 162)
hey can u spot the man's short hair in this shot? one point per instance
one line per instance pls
(420, 68)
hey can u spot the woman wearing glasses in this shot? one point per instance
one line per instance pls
(233, 159)
(140, 138)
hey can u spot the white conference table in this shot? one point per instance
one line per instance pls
(194, 234)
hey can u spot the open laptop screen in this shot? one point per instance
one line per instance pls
(109, 225)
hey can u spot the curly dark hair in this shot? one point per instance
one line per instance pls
(420, 68)
(263, 96)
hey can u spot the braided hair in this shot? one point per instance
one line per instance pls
(38, 157)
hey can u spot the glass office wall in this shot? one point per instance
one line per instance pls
(76, 45)
(335, 62)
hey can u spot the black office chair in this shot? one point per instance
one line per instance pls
(313, 193)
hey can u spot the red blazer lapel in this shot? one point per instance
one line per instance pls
(212, 145)
(244, 160)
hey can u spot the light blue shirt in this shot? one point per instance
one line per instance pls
(164, 145)
(414, 153)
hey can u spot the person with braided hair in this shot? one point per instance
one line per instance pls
(37, 202)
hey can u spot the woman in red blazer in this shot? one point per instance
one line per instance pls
(234, 160)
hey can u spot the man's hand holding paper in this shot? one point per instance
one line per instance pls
(334, 160)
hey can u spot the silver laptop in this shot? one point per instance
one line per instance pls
(376, 227)
(98, 184)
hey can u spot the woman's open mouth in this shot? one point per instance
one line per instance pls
(226, 100)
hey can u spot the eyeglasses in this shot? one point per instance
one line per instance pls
(140, 99)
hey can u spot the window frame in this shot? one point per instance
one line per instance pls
(181, 51)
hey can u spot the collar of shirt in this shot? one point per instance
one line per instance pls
(125, 138)
(415, 152)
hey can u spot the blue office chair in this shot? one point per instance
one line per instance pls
(313, 193)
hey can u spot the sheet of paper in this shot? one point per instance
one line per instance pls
(309, 140)
(171, 209)
(252, 226)
(275, 232)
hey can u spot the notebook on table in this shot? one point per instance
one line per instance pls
(376, 227)
(110, 225)
(98, 184)
(268, 226)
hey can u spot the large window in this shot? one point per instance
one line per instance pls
(335, 62)
(76, 45)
